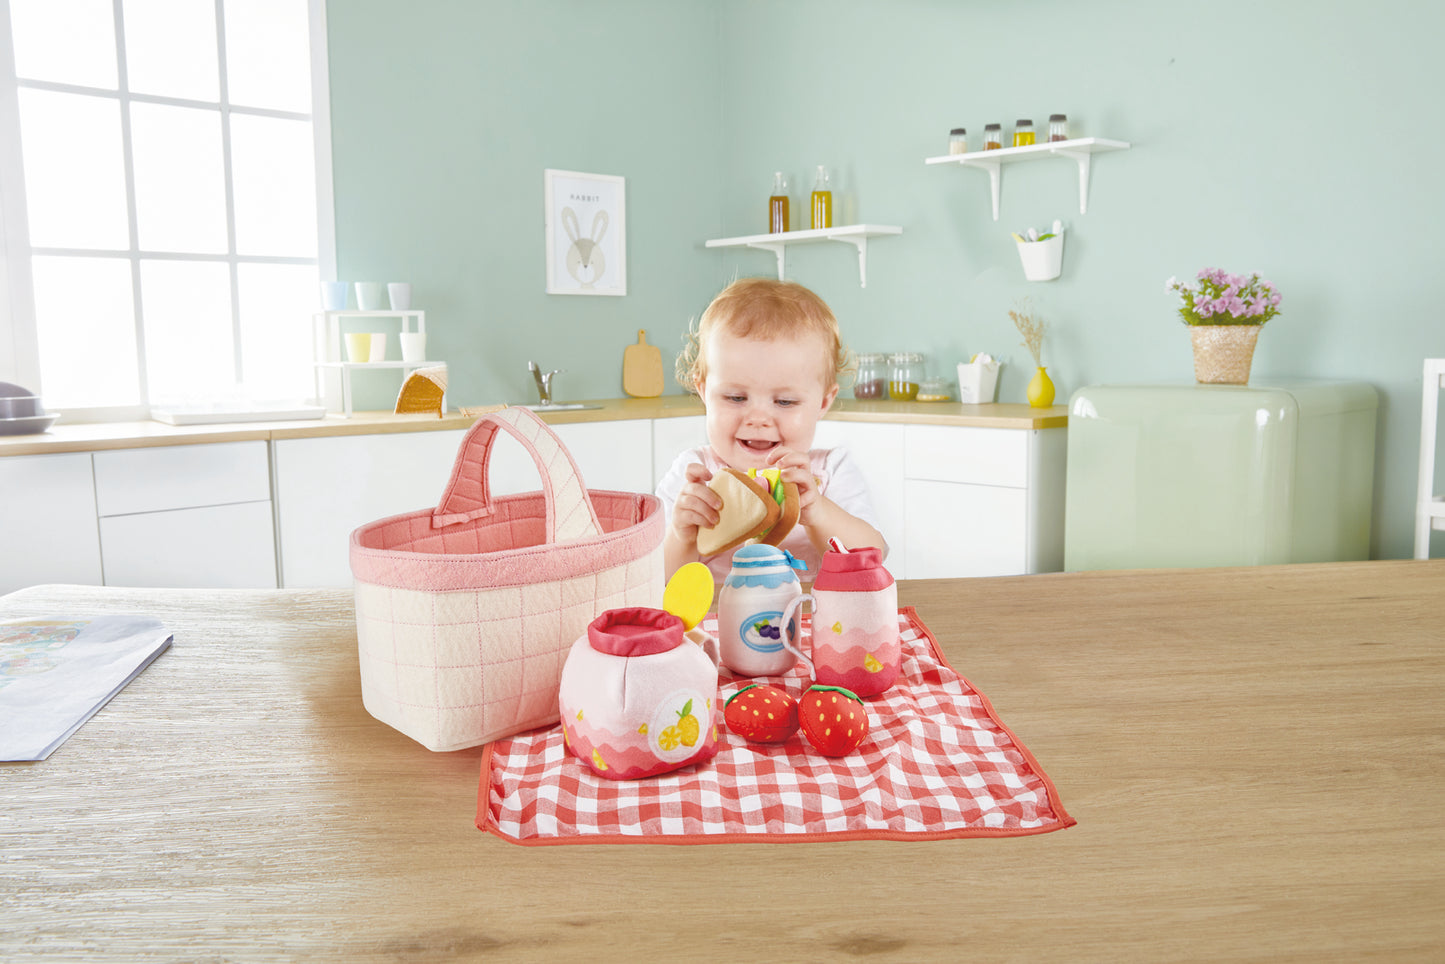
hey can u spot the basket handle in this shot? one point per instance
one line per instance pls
(468, 494)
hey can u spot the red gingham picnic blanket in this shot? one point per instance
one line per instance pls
(937, 763)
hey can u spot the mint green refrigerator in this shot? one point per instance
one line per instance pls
(1219, 475)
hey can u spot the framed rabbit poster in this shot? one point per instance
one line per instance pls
(586, 233)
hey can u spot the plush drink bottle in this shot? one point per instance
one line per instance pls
(750, 607)
(854, 641)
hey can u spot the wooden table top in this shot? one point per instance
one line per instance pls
(1255, 757)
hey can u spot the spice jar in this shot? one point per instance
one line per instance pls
(1023, 132)
(905, 372)
(935, 389)
(992, 137)
(871, 379)
(1058, 127)
(958, 141)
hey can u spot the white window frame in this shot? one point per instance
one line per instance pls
(19, 343)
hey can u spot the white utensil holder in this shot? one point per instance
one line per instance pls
(1043, 260)
(977, 382)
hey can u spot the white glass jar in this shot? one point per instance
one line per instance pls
(958, 141)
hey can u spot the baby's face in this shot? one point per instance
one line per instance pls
(763, 395)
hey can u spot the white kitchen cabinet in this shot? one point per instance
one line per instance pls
(327, 487)
(878, 451)
(983, 501)
(211, 547)
(610, 455)
(47, 521)
(187, 516)
(670, 438)
(181, 477)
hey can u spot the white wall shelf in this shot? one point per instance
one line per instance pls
(331, 354)
(1078, 149)
(854, 234)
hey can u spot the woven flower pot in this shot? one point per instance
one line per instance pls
(1223, 353)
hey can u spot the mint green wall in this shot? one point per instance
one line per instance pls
(445, 114)
(1298, 139)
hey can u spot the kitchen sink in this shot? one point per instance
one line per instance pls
(562, 407)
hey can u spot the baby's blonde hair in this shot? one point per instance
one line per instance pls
(767, 310)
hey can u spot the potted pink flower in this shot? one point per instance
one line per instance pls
(1224, 313)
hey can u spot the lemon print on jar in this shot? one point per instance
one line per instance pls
(688, 728)
(679, 723)
(597, 761)
(871, 664)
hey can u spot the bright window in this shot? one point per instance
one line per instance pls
(161, 164)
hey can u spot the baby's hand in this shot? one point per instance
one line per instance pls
(796, 468)
(697, 505)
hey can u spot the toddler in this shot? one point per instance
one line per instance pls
(765, 361)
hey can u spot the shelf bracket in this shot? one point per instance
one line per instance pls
(777, 250)
(995, 176)
(1082, 157)
(861, 243)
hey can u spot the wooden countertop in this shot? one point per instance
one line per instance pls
(1254, 758)
(96, 436)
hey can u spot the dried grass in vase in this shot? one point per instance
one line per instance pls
(1032, 328)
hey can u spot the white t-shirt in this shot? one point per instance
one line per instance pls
(838, 478)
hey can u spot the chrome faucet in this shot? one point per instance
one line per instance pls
(544, 381)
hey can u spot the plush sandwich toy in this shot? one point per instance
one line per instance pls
(758, 506)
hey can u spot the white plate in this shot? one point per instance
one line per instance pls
(27, 425)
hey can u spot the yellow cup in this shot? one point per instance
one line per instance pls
(358, 346)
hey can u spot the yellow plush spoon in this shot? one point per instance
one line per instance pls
(689, 594)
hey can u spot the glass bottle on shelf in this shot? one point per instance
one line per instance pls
(958, 141)
(822, 201)
(905, 372)
(992, 137)
(1023, 132)
(778, 205)
(868, 384)
(1058, 127)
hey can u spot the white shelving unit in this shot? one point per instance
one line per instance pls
(854, 234)
(328, 332)
(1077, 149)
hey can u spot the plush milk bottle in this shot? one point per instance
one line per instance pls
(750, 610)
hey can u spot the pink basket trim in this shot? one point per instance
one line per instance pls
(504, 548)
(468, 493)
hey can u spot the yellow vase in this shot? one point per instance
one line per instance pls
(1041, 389)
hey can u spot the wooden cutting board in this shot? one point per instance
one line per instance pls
(642, 368)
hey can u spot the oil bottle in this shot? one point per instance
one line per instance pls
(822, 201)
(778, 206)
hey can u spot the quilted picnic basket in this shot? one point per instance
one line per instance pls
(465, 613)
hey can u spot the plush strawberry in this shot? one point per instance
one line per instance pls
(761, 714)
(833, 719)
